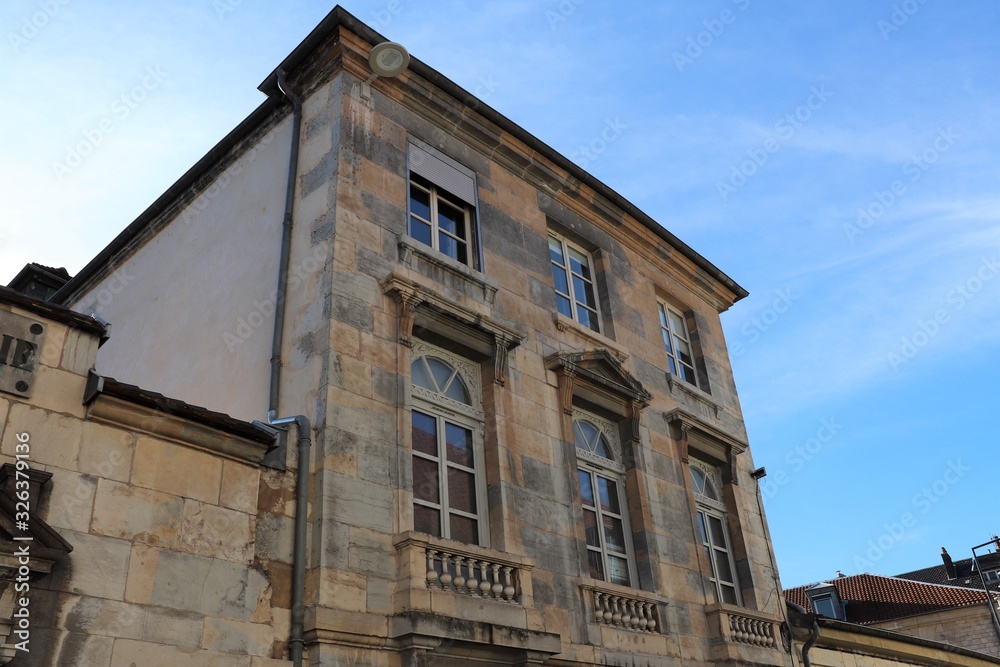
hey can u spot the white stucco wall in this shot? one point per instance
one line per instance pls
(192, 310)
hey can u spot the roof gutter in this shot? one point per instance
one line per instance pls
(302, 425)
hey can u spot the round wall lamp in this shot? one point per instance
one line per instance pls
(389, 59)
(386, 59)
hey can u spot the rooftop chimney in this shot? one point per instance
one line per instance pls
(996, 542)
(949, 567)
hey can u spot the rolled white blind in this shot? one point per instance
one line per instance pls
(442, 174)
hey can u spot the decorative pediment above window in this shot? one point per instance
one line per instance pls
(598, 378)
(603, 375)
(710, 443)
(427, 312)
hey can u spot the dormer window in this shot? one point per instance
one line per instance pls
(825, 601)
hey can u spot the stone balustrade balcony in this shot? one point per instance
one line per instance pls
(455, 579)
(622, 608)
(739, 633)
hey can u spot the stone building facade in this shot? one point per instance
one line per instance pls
(519, 438)
(526, 443)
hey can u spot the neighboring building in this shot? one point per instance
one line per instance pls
(951, 614)
(963, 572)
(827, 642)
(39, 282)
(131, 525)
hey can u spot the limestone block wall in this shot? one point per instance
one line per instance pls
(968, 627)
(363, 476)
(180, 555)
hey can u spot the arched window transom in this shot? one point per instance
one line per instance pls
(714, 530)
(446, 439)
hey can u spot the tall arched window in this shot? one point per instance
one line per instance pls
(602, 494)
(446, 429)
(714, 531)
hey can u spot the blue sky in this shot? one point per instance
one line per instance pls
(837, 159)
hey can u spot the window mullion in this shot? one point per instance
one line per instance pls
(443, 479)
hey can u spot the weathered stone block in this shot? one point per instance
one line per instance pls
(359, 503)
(54, 438)
(106, 452)
(72, 649)
(181, 471)
(210, 530)
(206, 585)
(97, 566)
(130, 653)
(59, 390)
(169, 626)
(80, 352)
(241, 637)
(133, 513)
(240, 486)
(70, 501)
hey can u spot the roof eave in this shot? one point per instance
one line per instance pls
(341, 17)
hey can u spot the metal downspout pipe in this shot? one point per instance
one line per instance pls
(813, 638)
(302, 425)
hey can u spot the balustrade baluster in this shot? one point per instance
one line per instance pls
(484, 584)
(446, 577)
(432, 574)
(508, 583)
(626, 616)
(471, 583)
(599, 606)
(497, 588)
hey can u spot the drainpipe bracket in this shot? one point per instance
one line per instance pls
(276, 456)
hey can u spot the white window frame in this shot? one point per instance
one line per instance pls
(446, 410)
(435, 195)
(709, 507)
(668, 330)
(596, 466)
(575, 303)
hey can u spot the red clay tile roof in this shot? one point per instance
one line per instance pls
(872, 598)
